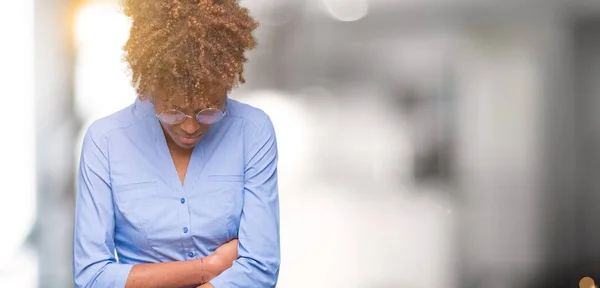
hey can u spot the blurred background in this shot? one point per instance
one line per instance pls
(423, 143)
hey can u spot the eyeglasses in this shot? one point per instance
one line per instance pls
(207, 116)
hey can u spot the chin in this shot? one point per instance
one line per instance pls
(186, 145)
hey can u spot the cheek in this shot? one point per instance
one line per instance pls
(205, 128)
(170, 129)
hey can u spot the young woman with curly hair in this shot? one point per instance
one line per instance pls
(180, 188)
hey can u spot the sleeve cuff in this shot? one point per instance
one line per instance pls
(122, 274)
(221, 280)
(217, 282)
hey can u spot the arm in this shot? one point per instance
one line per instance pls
(183, 273)
(259, 251)
(94, 262)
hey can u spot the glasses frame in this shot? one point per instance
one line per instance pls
(223, 113)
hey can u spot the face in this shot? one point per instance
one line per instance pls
(188, 133)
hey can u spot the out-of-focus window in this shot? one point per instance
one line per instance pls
(17, 148)
(101, 83)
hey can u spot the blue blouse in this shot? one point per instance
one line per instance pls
(131, 207)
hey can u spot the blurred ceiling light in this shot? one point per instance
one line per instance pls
(347, 10)
(98, 22)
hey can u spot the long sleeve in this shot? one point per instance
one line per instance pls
(94, 262)
(259, 240)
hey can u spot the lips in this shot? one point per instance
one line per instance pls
(189, 140)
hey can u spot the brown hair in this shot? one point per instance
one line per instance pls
(188, 48)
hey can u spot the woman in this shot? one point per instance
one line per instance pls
(180, 188)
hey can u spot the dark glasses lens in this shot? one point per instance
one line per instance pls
(171, 116)
(209, 116)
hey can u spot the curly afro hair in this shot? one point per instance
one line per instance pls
(192, 49)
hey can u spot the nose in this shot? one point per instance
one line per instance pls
(190, 126)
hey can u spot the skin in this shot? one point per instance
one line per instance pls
(181, 140)
(183, 273)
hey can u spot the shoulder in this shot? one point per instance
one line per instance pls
(255, 118)
(99, 130)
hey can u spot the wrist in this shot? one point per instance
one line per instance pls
(212, 267)
(205, 269)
